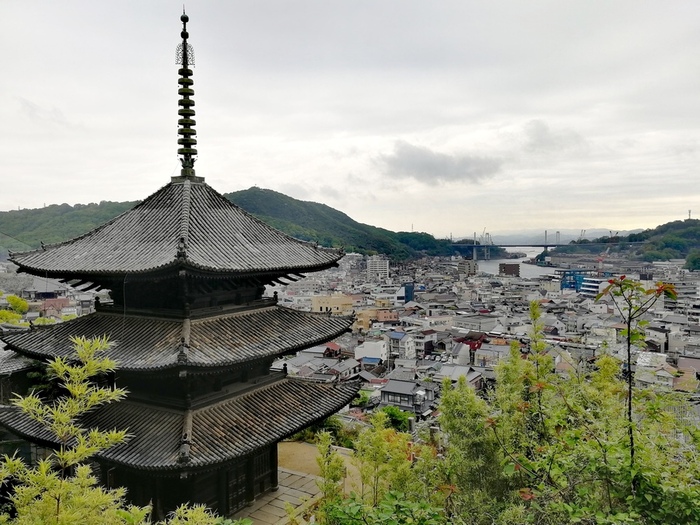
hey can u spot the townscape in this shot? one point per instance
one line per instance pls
(442, 318)
(417, 323)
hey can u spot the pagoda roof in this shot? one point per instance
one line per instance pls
(170, 440)
(150, 344)
(184, 225)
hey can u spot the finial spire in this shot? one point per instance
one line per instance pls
(186, 123)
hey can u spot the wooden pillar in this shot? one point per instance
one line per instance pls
(274, 473)
(222, 492)
(250, 480)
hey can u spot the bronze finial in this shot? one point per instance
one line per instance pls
(186, 123)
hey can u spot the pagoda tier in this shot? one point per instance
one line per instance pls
(189, 440)
(184, 230)
(148, 344)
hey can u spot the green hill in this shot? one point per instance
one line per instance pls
(673, 240)
(27, 229)
(309, 221)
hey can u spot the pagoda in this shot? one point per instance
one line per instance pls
(193, 336)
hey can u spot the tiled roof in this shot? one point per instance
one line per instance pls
(10, 362)
(184, 224)
(141, 343)
(164, 439)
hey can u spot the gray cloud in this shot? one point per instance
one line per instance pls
(425, 165)
(329, 191)
(540, 138)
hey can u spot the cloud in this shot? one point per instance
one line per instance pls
(427, 166)
(37, 113)
(540, 138)
(330, 192)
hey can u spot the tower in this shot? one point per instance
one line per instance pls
(193, 336)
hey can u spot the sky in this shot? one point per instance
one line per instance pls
(447, 117)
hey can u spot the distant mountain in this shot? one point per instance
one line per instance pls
(314, 222)
(309, 221)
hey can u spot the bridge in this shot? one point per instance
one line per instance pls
(485, 241)
(547, 245)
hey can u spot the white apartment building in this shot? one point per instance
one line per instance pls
(377, 268)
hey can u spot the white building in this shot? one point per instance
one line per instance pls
(377, 268)
(373, 349)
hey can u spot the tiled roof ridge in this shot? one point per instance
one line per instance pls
(266, 225)
(94, 230)
(314, 314)
(186, 440)
(183, 353)
(184, 222)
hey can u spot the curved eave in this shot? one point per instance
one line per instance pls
(234, 428)
(174, 268)
(149, 345)
(220, 434)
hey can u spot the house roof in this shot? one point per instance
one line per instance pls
(167, 439)
(186, 224)
(454, 372)
(142, 343)
(342, 366)
(397, 386)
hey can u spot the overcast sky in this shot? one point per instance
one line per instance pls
(444, 117)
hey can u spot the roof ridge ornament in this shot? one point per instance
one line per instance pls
(186, 122)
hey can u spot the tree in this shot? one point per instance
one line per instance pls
(7, 316)
(18, 305)
(396, 418)
(632, 301)
(61, 489)
(383, 458)
(692, 261)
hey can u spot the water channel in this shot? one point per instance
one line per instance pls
(527, 271)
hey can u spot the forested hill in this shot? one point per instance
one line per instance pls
(309, 221)
(673, 240)
(27, 229)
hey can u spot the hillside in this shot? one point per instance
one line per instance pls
(673, 240)
(309, 221)
(27, 229)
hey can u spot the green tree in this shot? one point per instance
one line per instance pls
(396, 418)
(632, 301)
(383, 458)
(18, 305)
(332, 473)
(7, 316)
(692, 261)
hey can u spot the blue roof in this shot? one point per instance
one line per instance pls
(371, 360)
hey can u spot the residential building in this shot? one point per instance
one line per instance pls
(377, 268)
